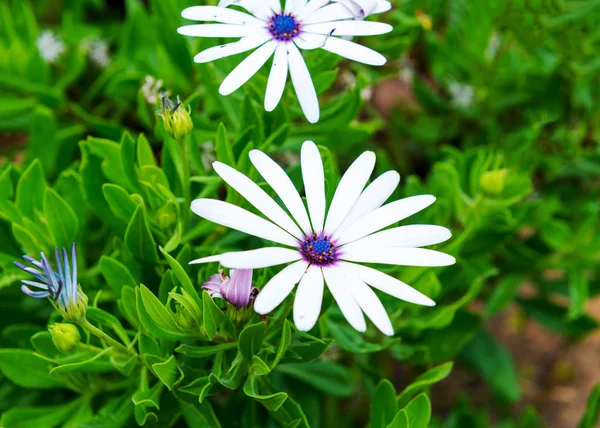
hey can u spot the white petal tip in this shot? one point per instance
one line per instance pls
(210, 259)
(388, 331)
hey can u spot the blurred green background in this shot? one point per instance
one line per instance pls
(492, 106)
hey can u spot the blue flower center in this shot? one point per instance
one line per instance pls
(283, 27)
(319, 250)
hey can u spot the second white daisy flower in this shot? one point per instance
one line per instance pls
(280, 33)
(324, 246)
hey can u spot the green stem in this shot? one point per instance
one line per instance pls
(90, 328)
(184, 148)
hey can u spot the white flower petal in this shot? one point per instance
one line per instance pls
(310, 41)
(258, 198)
(337, 282)
(388, 284)
(261, 258)
(370, 305)
(353, 51)
(349, 28)
(382, 6)
(385, 216)
(274, 5)
(234, 48)
(372, 198)
(258, 8)
(237, 218)
(416, 235)
(308, 299)
(295, 6)
(278, 287)
(219, 30)
(331, 12)
(313, 175)
(395, 256)
(283, 186)
(247, 68)
(311, 6)
(277, 78)
(303, 84)
(221, 14)
(349, 189)
(209, 259)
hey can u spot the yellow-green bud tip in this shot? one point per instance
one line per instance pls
(65, 336)
(176, 118)
(492, 182)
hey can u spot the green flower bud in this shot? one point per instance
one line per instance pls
(65, 336)
(492, 182)
(185, 319)
(74, 309)
(239, 316)
(167, 215)
(176, 118)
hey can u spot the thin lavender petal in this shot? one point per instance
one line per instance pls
(35, 294)
(33, 262)
(61, 274)
(74, 260)
(35, 284)
(39, 275)
(54, 286)
(213, 285)
(69, 294)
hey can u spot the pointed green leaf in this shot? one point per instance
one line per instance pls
(139, 239)
(31, 189)
(116, 274)
(383, 405)
(167, 372)
(62, 220)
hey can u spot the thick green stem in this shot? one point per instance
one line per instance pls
(90, 328)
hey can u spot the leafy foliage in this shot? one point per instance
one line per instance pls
(83, 157)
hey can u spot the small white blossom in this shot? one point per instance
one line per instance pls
(99, 53)
(461, 95)
(151, 89)
(50, 46)
(493, 45)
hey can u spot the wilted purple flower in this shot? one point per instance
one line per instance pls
(237, 290)
(61, 286)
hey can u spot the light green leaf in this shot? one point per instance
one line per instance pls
(116, 274)
(167, 371)
(383, 405)
(251, 339)
(27, 369)
(428, 378)
(205, 351)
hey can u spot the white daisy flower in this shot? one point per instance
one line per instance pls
(50, 46)
(280, 33)
(327, 249)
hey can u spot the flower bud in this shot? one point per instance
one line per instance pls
(65, 336)
(492, 182)
(167, 215)
(74, 309)
(237, 291)
(176, 118)
(424, 20)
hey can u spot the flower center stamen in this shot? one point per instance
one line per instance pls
(319, 250)
(283, 27)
